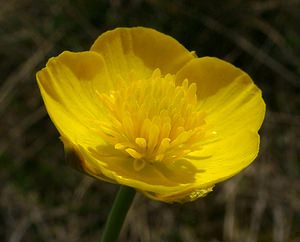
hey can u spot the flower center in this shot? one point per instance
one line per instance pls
(153, 120)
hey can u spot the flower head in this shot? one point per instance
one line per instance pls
(140, 110)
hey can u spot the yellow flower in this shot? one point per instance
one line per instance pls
(140, 110)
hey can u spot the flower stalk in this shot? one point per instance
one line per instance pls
(118, 214)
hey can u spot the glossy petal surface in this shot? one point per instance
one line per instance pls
(140, 50)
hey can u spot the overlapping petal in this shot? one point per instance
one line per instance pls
(68, 89)
(230, 99)
(141, 50)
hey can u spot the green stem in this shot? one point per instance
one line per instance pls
(117, 214)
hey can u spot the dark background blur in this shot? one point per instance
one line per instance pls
(42, 199)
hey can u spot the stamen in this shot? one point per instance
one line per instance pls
(153, 120)
(134, 153)
(141, 142)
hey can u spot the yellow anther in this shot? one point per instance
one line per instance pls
(134, 153)
(119, 146)
(141, 142)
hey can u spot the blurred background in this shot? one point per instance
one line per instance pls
(44, 200)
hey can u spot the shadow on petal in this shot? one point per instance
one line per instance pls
(178, 173)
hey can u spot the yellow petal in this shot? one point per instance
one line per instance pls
(76, 159)
(226, 157)
(68, 86)
(215, 162)
(140, 50)
(226, 94)
(106, 163)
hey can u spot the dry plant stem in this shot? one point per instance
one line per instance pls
(117, 214)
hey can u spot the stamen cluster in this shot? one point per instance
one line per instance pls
(153, 120)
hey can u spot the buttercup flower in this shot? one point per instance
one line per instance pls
(140, 110)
